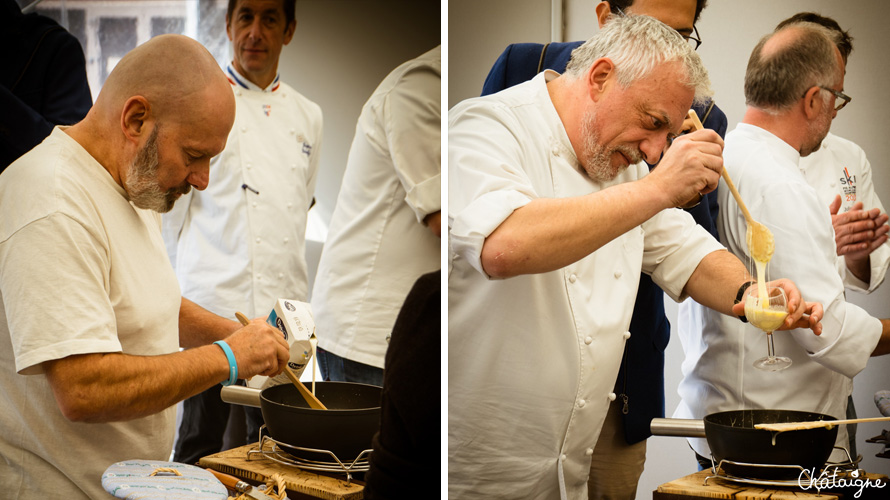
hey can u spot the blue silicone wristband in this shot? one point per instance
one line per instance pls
(233, 366)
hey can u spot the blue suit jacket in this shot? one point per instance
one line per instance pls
(641, 378)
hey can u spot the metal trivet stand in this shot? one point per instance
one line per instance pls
(803, 475)
(271, 449)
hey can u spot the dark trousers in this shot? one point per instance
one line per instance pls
(205, 417)
(339, 369)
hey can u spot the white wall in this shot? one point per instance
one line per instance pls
(729, 30)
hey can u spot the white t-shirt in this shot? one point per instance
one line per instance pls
(717, 373)
(81, 271)
(532, 360)
(840, 167)
(240, 244)
(377, 245)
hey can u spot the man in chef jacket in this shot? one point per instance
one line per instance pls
(794, 88)
(384, 232)
(239, 245)
(841, 175)
(552, 215)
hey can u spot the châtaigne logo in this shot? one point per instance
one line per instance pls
(826, 480)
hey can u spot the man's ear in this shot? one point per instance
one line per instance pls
(134, 117)
(813, 102)
(289, 31)
(603, 11)
(598, 76)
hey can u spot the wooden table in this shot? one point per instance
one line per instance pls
(300, 484)
(692, 487)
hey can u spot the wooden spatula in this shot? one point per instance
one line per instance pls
(758, 237)
(813, 424)
(307, 395)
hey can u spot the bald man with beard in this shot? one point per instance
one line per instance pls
(91, 316)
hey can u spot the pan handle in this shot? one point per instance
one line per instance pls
(681, 427)
(240, 395)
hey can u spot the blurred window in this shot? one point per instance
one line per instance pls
(108, 29)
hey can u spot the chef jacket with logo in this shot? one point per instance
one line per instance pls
(239, 245)
(840, 167)
(532, 360)
(717, 373)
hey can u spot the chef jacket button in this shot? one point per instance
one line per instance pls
(243, 129)
(259, 277)
(588, 340)
(617, 274)
(626, 335)
(563, 457)
(612, 396)
(257, 240)
(249, 166)
(289, 204)
(237, 92)
(581, 403)
(293, 166)
(833, 184)
(254, 204)
(588, 451)
(280, 275)
(286, 240)
(573, 278)
(555, 151)
(293, 131)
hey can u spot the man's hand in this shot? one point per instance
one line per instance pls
(801, 314)
(690, 167)
(858, 232)
(260, 349)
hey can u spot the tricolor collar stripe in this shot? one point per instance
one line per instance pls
(236, 79)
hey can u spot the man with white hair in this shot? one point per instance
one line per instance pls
(552, 216)
(91, 316)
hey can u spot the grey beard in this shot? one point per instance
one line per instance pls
(142, 180)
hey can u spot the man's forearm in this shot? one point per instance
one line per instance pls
(551, 233)
(198, 326)
(716, 281)
(115, 387)
(883, 346)
(861, 268)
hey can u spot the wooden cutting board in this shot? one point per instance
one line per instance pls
(693, 487)
(235, 463)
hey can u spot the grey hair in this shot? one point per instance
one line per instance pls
(636, 45)
(775, 81)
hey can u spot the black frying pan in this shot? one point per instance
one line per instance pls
(345, 428)
(731, 436)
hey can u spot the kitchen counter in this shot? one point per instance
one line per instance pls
(692, 487)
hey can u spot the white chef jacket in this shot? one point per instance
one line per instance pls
(717, 373)
(239, 245)
(532, 360)
(377, 244)
(840, 167)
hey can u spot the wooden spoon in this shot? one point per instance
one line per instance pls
(758, 237)
(308, 396)
(813, 424)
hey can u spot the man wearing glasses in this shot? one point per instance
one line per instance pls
(793, 88)
(841, 175)
(619, 455)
